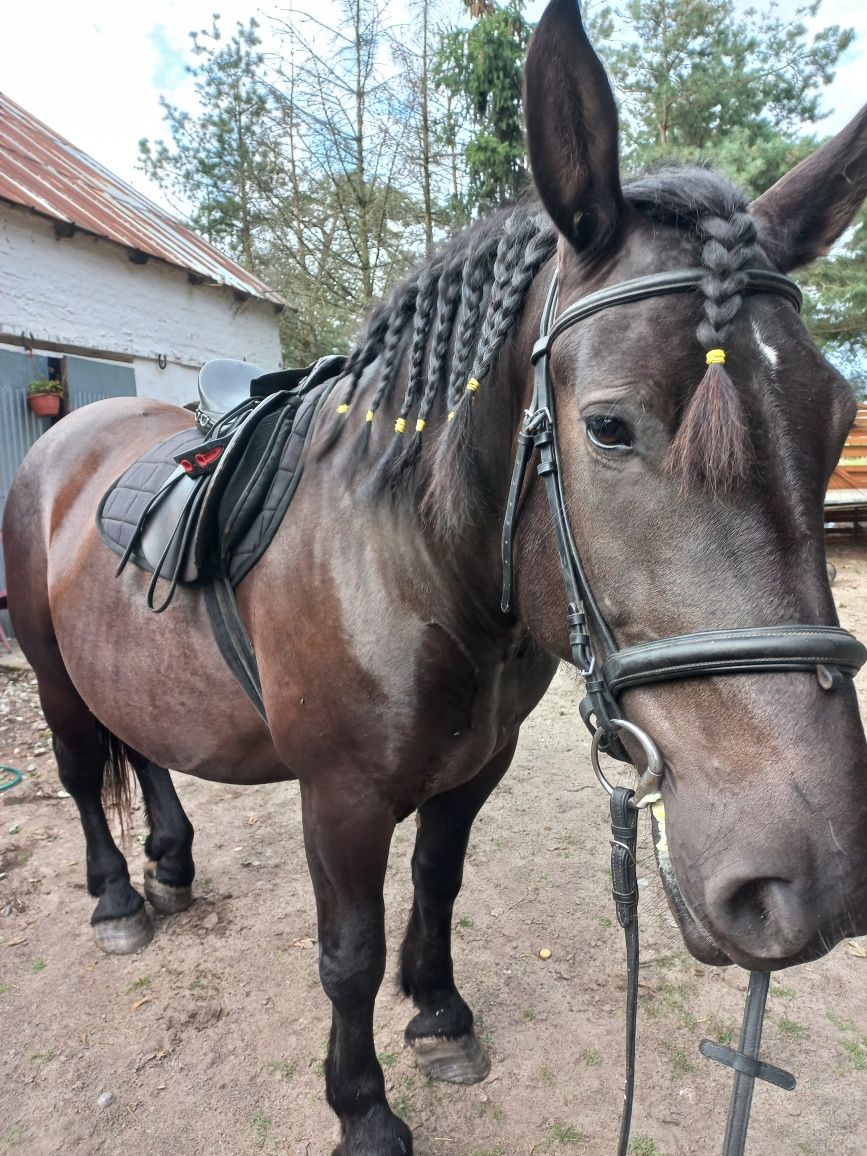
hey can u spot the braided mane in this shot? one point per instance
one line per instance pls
(448, 322)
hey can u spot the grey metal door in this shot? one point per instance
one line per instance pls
(87, 380)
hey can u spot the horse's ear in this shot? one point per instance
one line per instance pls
(572, 131)
(803, 214)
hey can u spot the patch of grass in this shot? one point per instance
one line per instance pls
(528, 1014)
(675, 960)
(807, 1149)
(387, 1059)
(399, 839)
(791, 1028)
(261, 1127)
(37, 965)
(670, 997)
(565, 1134)
(844, 1025)
(139, 984)
(465, 921)
(857, 1054)
(681, 1064)
(547, 1075)
(16, 1136)
(403, 1104)
(44, 1057)
(498, 1114)
(4, 988)
(282, 1068)
(206, 882)
(604, 921)
(591, 1058)
(723, 1033)
(196, 982)
(498, 1151)
(783, 992)
(643, 1146)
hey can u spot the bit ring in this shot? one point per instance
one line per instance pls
(651, 777)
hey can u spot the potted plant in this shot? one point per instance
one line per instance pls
(43, 396)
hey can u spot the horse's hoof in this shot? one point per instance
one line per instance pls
(458, 1060)
(124, 936)
(162, 897)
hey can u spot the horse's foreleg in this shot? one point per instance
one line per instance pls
(442, 1035)
(169, 871)
(347, 846)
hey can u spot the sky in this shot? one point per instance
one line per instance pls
(94, 71)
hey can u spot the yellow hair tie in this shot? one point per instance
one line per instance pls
(343, 408)
(716, 357)
(400, 425)
(451, 415)
(472, 385)
(420, 424)
(370, 415)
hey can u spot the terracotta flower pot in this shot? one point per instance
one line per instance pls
(44, 404)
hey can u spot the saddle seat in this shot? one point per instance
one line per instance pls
(207, 501)
(225, 384)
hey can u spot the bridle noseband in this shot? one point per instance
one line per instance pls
(830, 651)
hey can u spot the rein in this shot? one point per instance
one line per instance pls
(831, 652)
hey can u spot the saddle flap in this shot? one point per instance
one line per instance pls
(163, 540)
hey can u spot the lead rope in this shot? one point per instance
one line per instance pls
(624, 887)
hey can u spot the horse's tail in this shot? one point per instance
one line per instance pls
(118, 780)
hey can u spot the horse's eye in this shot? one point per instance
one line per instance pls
(609, 433)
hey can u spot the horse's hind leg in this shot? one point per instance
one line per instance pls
(441, 1035)
(86, 756)
(169, 870)
(347, 846)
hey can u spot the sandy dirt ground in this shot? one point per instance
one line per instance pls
(211, 1040)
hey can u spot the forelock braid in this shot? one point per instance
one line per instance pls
(477, 274)
(526, 244)
(730, 247)
(711, 444)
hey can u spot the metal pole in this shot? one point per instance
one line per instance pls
(751, 1040)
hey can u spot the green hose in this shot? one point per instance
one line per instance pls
(14, 781)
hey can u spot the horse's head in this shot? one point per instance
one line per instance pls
(694, 493)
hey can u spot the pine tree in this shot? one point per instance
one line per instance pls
(481, 70)
(222, 160)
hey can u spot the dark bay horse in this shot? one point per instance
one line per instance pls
(391, 678)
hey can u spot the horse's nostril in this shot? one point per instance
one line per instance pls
(766, 917)
(754, 899)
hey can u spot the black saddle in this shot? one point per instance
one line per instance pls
(203, 505)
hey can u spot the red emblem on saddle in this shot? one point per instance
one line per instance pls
(201, 460)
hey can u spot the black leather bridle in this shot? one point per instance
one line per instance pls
(830, 651)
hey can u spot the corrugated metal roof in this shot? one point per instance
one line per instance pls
(43, 172)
